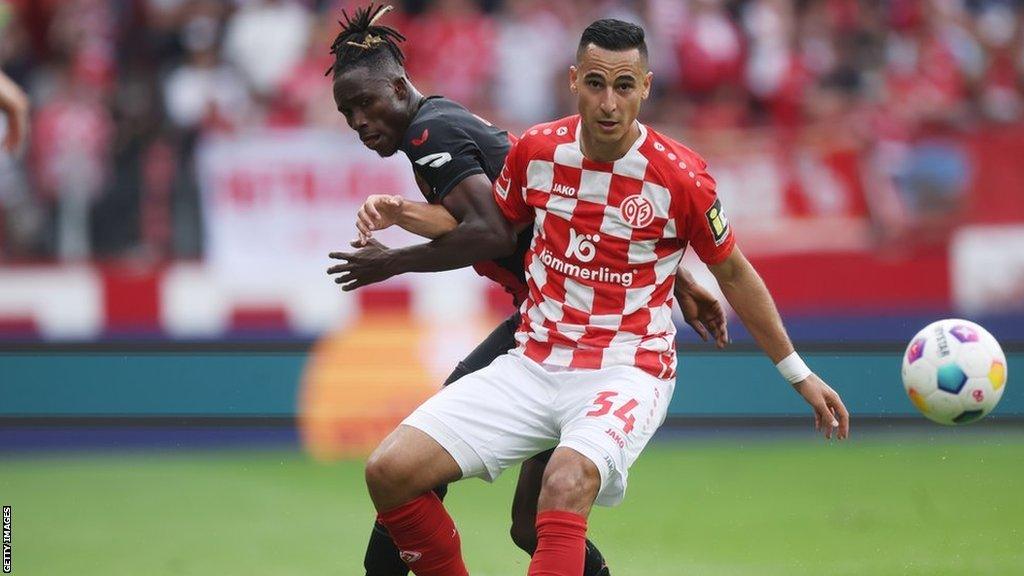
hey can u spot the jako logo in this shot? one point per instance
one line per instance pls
(564, 190)
(435, 160)
(581, 246)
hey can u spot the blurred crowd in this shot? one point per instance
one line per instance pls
(122, 90)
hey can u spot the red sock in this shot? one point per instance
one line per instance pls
(561, 544)
(426, 536)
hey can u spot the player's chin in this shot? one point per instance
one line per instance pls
(608, 132)
(384, 148)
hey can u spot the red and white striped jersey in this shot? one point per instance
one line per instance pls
(608, 237)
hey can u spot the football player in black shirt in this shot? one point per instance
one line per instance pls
(455, 156)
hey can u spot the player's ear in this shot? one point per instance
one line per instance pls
(401, 88)
(573, 75)
(648, 79)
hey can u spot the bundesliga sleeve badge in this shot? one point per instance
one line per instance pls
(718, 223)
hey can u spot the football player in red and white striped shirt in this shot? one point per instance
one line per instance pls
(613, 205)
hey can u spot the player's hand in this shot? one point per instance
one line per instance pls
(368, 265)
(830, 415)
(14, 105)
(378, 212)
(703, 312)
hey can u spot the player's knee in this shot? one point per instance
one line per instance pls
(524, 533)
(384, 471)
(570, 487)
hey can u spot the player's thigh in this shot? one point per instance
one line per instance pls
(491, 419)
(609, 416)
(498, 342)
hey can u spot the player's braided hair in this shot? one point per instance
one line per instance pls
(361, 39)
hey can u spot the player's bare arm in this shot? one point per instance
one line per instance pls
(482, 233)
(701, 310)
(13, 105)
(381, 211)
(749, 297)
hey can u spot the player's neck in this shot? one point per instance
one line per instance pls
(607, 151)
(415, 101)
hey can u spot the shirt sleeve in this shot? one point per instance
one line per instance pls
(705, 225)
(442, 154)
(509, 191)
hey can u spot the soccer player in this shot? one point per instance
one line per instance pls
(455, 157)
(613, 205)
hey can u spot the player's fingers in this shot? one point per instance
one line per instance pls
(17, 127)
(371, 209)
(841, 413)
(828, 421)
(718, 333)
(362, 226)
(719, 313)
(340, 255)
(346, 277)
(338, 268)
(364, 222)
(357, 284)
(699, 329)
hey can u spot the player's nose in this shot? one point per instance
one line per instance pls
(358, 121)
(608, 101)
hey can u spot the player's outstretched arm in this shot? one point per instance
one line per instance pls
(380, 211)
(482, 233)
(14, 105)
(749, 297)
(701, 310)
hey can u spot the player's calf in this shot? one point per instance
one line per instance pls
(571, 484)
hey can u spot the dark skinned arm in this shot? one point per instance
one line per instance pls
(482, 233)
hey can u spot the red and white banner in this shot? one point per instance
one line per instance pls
(275, 203)
(785, 199)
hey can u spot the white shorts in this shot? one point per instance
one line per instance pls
(513, 409)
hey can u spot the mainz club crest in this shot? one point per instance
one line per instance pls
(637, 211)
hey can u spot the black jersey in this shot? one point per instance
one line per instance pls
(447, 143)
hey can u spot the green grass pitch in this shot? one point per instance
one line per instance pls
(936, 505)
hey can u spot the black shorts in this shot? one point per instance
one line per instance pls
(498, 342)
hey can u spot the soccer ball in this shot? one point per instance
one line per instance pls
(954, 372)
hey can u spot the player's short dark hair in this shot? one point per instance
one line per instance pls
(363, 42)
(612, 34)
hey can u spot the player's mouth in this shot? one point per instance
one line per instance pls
(607, 125)
(370, 140)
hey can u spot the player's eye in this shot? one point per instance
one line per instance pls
(594, 83)
(366, 102)
(625, 87)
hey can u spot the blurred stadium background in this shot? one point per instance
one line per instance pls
(184, 391)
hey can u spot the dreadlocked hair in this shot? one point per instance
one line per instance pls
(361, 38)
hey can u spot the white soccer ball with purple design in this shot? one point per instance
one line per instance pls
(954, 372)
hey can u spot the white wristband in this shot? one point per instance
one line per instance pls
(793, 368)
